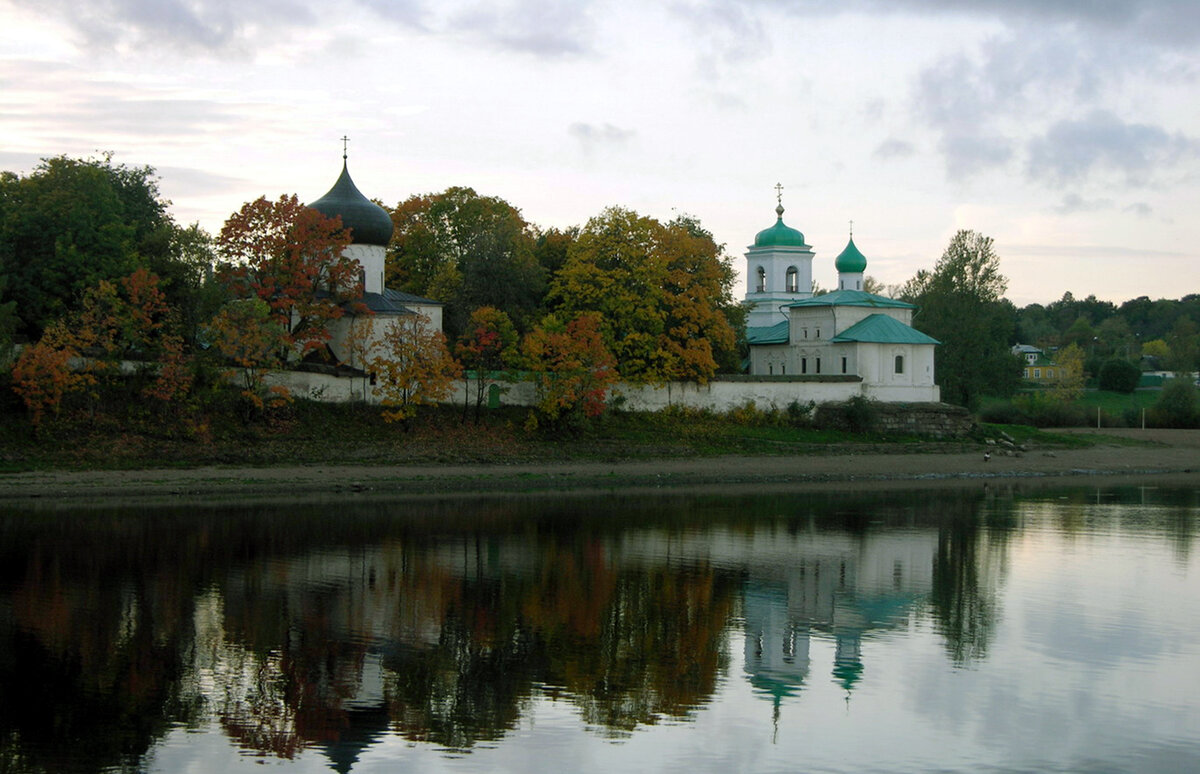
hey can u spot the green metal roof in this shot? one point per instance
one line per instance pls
(779, 235)
(883, 329)
(369, 223)
(768, 334)
(853, 298)
(850, 260)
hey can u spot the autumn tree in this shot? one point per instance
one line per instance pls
(467, 251)
(1069, 374)
(293, 258)
(129, 320)
(572, 369)
(661, 292)
(72, 223)
(248, 337)
(413, 367)
(488, 345)
(961, 304)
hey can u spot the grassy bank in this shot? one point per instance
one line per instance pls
(355, 434)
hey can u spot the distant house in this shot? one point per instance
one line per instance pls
(1040, 367)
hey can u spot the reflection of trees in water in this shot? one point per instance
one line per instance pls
(292, 629)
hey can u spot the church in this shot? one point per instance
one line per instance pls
(353, 337)
(845, 334)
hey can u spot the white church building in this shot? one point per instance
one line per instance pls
(845, 333)
(370, 229)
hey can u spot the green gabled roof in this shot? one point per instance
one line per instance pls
(882, 329)
(768, 334)
(853, 298)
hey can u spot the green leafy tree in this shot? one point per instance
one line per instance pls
(1119, 375)
(72, 223)
(467, 251)
(247, 336)
(962, 305)
(1068, 374)
(662, 293)
(292, 257)
(488, 346)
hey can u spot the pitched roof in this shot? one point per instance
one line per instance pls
(883, 329)
(768, 334)
(852, 298)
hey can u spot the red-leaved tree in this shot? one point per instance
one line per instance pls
(573, 369)
(292, 257)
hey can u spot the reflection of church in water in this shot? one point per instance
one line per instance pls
(831, 588)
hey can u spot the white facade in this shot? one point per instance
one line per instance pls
(776, 276)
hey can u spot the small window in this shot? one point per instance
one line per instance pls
(818, 333)
(783, 369)
(1049, 373)
(818, 365)
(762, 280)
(843, 365)
(1037, 373)
(806, 333)
(793, 280)
(899, 364)
(770, 369)
(803, 365)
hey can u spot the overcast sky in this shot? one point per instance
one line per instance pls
(1067, 130)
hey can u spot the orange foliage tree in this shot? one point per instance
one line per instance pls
(573, 369)
(413, 367)
(245, 334)
(292, 257)
(116, 323)
(488, 346)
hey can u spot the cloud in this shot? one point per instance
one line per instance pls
(590, 135)
(1141, 209)
(893, 148)
(1073, 150)
(1073, 203)
(724, 34)
(543, 28)
(205, 25)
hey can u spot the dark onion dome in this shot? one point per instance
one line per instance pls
(369, 223)
(850, 260)
(779, 235)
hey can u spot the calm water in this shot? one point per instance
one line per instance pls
(989, 629)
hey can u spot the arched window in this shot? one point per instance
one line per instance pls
(762, 280)
(793, 280)
(899, 364)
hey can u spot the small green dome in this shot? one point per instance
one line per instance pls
(779, 235)
(851, 261)
(369, 223)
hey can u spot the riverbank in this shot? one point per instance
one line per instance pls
(1166, 455)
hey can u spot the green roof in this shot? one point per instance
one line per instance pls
(850, 260)
(768, 334)
(883, 329)
(779, 235)
(853, 298)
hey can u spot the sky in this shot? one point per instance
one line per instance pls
(1066, 130)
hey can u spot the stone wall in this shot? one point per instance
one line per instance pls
(934, 420)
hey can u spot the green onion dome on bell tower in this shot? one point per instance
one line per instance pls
(850, 260)
(779, 235)
(369, 223)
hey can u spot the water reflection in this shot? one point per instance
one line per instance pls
(330, 627)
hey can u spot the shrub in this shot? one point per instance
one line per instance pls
(1004, 413)
(1044, 410)
(1176, 407)
(1118, 375)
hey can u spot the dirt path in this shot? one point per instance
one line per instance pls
(1171, 453)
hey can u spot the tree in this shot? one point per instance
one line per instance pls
(487, 346)
(246, 335)
(961, 304)
(467, 251)
(72, 223)
(1069, 373)
(1119, 375)
(413, 368)
(573, 369)
(293, 258)
(661, 291)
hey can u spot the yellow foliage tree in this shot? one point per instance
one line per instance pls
(414, 368)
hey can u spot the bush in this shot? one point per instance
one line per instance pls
(1045, 410)
(1005, 413)
(1176, 407)
(1118, 375)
